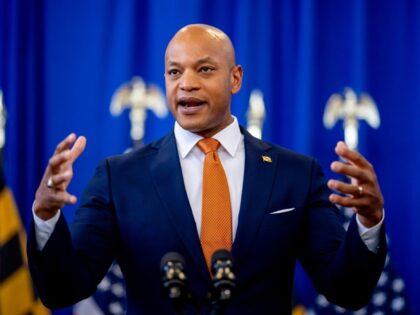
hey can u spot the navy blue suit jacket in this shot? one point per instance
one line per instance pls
(135, 209)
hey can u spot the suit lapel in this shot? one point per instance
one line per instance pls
(260, 169)
(167, 175)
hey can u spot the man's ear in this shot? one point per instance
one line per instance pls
(236, 79)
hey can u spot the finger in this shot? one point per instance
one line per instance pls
(65, 144)
(351, 156)
(62, 198)
(70, 199)
(349, 170)
(348, 202)
(54, 200)
(78, 148)
(58, 160)
(344, 188)
(61, 179)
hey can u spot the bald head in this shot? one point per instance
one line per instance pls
(200, 78)
(196, 34)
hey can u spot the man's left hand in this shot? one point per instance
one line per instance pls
(363, 194)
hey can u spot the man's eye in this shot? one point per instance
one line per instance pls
(173, 72)
(206, 69)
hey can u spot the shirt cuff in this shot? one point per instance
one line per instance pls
(370, 236)
(44, 229)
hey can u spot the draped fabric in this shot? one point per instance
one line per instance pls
(17, 294)
(60, 62)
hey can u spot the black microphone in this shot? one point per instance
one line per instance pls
(174, 280)
(223, 276)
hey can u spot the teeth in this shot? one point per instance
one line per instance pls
(190, 104)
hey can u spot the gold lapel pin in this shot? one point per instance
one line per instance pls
(266, 158)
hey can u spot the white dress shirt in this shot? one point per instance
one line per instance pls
(232, 156)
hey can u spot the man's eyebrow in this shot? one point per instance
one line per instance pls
(198, 62)
(173, 63)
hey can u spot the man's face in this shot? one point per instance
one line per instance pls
(200, 77)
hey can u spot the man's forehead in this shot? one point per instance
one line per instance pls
(200, 41)
(197, 40)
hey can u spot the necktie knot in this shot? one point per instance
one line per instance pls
(207, 145)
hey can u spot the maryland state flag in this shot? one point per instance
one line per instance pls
(17, 296)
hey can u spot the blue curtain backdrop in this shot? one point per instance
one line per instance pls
(60, 62)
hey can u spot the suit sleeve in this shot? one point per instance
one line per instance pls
(339, 263)
(75, 259)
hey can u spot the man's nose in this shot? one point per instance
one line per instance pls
(189, 81)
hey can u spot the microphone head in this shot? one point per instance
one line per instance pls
(173, 276)
(221, 255)
(173, 257)
(174, 280)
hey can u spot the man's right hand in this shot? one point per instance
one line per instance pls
(52, 194)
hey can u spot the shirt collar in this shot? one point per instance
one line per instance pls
(229, 138)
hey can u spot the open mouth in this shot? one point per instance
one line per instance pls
(188, 102)
(190, 105)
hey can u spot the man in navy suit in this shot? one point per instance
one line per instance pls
(141, 205)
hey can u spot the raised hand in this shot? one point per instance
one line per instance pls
(52, 194)
(363, 194)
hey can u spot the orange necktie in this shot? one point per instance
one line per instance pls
(216, 218)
